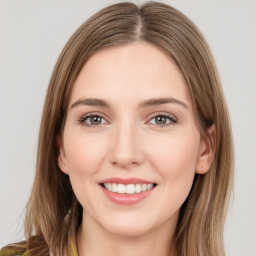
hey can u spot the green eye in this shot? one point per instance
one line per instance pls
(92, 120)
(163, 120)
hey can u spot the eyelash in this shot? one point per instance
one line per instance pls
(173, 120)
(88, 115)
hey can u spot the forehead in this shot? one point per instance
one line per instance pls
(131, 72)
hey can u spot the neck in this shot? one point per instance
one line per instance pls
(93, 239)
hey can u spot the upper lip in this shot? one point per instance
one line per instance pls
(126, 181)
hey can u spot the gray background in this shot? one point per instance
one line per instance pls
(32, 34)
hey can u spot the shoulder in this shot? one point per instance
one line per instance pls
(14, 250)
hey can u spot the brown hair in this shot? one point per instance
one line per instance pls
(53, 212)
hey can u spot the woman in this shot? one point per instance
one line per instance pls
(135, 151)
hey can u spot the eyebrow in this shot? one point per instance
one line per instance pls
(146, 103)
(161, 101)
(91, 102)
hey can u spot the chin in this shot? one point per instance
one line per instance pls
(128, 231)
(128, 227)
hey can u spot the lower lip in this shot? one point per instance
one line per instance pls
(126, 199)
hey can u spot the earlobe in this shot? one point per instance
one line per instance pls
(206, 151)
(61, 156)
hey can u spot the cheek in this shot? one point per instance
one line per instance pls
(177, 153)
(84, 154)
(175, 161)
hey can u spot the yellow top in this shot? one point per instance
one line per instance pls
(72, 250)
(20, 250)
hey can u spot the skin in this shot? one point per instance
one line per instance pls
(129, 142)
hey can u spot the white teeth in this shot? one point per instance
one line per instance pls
(144, 187)
(149, 186)
(109, 186)
(130, 189)
(138, 188)
(114, 187)
(127, 189)
(120, 189)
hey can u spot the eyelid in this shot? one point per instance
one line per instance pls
(83, 117)
(173, 118)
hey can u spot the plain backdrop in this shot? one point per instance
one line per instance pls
(32, 34)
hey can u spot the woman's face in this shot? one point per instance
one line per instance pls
(130, 144)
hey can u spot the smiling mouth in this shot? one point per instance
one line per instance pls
(127, 188)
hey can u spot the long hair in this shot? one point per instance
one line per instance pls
(53, 213)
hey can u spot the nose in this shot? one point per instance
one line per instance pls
(126, 149)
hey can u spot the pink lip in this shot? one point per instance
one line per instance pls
(126, 199)
(126, 181)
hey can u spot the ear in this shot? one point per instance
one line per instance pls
(206, 151)
(62, 155)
